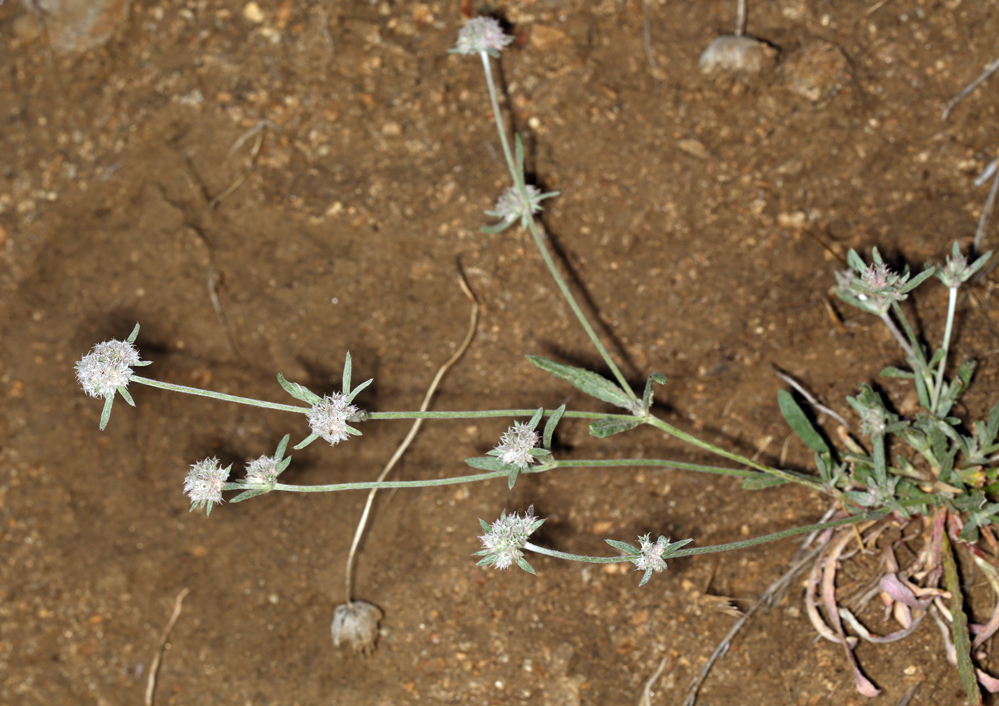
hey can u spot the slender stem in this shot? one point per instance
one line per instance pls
(500, 128)
(518, 182)
(813, 483)
(898, 335)
(383, 485)
(584, 463)
(656, 463)
(575, 557)
(489, 413)
(914, 350)
(938, 386)
(786, 475)
(740, 19)
(218, 395)
(469, 414)
(877, 515)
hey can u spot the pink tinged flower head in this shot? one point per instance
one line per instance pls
(329, 416)
(263, 471)
(106, 367)
(482, 34)
(505, 538)
(204, 484)
(516, 445)
(510, 207)
(651, 557)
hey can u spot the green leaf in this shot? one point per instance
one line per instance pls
(299, 392)
(306, 441)
(993, 426)
(602, 428)
(346, 375)
(628, 549)
(106, 412)
(674, 547)
(959, 626)
(356, 390)
(658, 378)
(922, 391)
(522, 563)
(123, 391)
(135, 334)
(282, 447)
(880, 462)
(761, 482)
(512, 478)
(800, 424)
(496, 227)
(917, 280)
(892, 372)
(856, 263)
(536, 418)
(550, 426)
(589, 382)
(488, 463)
(247, 494)
(977, 264)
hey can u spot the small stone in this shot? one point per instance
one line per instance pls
(733, 54)
(253, 13)
(695, 148)
(794, 219)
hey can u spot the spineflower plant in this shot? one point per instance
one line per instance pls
(943, 477)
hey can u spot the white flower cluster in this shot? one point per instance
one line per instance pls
(506, 537)
(651, 557)
(106, 367)
(263, 471)
(204, 484)
(482, 34)
(516, 445)
(510, 207)
(329, 416)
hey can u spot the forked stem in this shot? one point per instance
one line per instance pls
(521, 187)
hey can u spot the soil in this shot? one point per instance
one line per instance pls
(701, 220)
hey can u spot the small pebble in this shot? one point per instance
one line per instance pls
(732, 54)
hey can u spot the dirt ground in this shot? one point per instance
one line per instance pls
(702, 221)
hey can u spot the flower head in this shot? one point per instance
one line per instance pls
(957, 271)
(329, 416)
(875, 288)
(648, 557)
(263, 471)
(516, 445)
(482, 34)
(204, 484)
(510, 207)
(651, 557)
(107, 367)
(505, 538)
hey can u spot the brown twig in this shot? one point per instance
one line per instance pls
(473, 324)
(154, 668)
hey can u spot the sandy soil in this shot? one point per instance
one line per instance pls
(702, 221)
